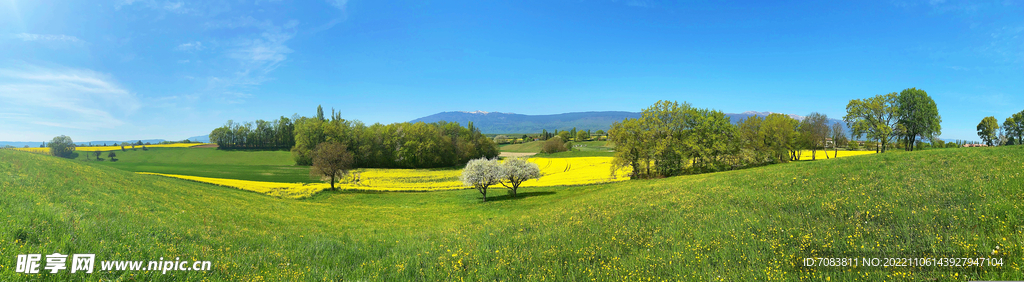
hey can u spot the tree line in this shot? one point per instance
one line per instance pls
(673, 138)
(396, 145)
(255, 135)
(906, 118)
(1010, 133)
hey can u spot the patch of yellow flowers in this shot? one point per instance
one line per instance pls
(554, 172)
(46, 150)
(805, 155)
(118, 147)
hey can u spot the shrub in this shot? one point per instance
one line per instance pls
(554, 145)
(62, 146)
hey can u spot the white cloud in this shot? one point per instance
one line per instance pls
(256, 56)
(169, 6)
(340, 4)
(190, 46)
(48, 38)
(63, 98)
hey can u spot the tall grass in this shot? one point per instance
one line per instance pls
(732, 226)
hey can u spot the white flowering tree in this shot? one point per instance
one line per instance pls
(516, 170)
(481, 173)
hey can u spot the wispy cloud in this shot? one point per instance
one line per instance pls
(178, 7)
(64, 97)
(340, 4)
(48, 38)
(256, 56)
(190, 46)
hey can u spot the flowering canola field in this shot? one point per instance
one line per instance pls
(554, 172)
(46, 150)
(118, 147)
(805, 155)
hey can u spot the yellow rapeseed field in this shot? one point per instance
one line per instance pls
(554, 171)
(805, 155)
(118, 147)
(46, 150)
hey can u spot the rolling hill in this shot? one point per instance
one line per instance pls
(742, 225)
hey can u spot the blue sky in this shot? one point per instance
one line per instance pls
(138, 69)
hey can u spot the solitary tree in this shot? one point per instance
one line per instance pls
(918, 116)
(838, 138)
(814, 128)
(481, 173)
(331, 161)
(987, 129)
(1014, 127)
(565, 135)
(97, 153)
(875, 117)
(500, 139)
(516, 170)
(111, 155)
(582, 135)
(62, 146)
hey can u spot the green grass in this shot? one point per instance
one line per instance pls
(585, 149)
(740, 225)
(272, 165)
(528, 147)
(576, 154)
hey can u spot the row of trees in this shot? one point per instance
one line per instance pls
(1011, 133)
(259, 134)
(908, 116)
(397, 145)
(672, 139)
(568, 135)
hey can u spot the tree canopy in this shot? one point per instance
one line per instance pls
(516, 170)
(331, 162)
(875, 117)
(1014, 127)
(987, 130)
(918, 116)
(61, 146)
(481, 173)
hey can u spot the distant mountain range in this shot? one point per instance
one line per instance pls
(94, 143)
(201, 139)
(509, 123)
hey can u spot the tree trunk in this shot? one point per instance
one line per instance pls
(332, 182)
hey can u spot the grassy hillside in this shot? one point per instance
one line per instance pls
(733, 226)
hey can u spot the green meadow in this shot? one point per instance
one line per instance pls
(743, 225)
(256, 165)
